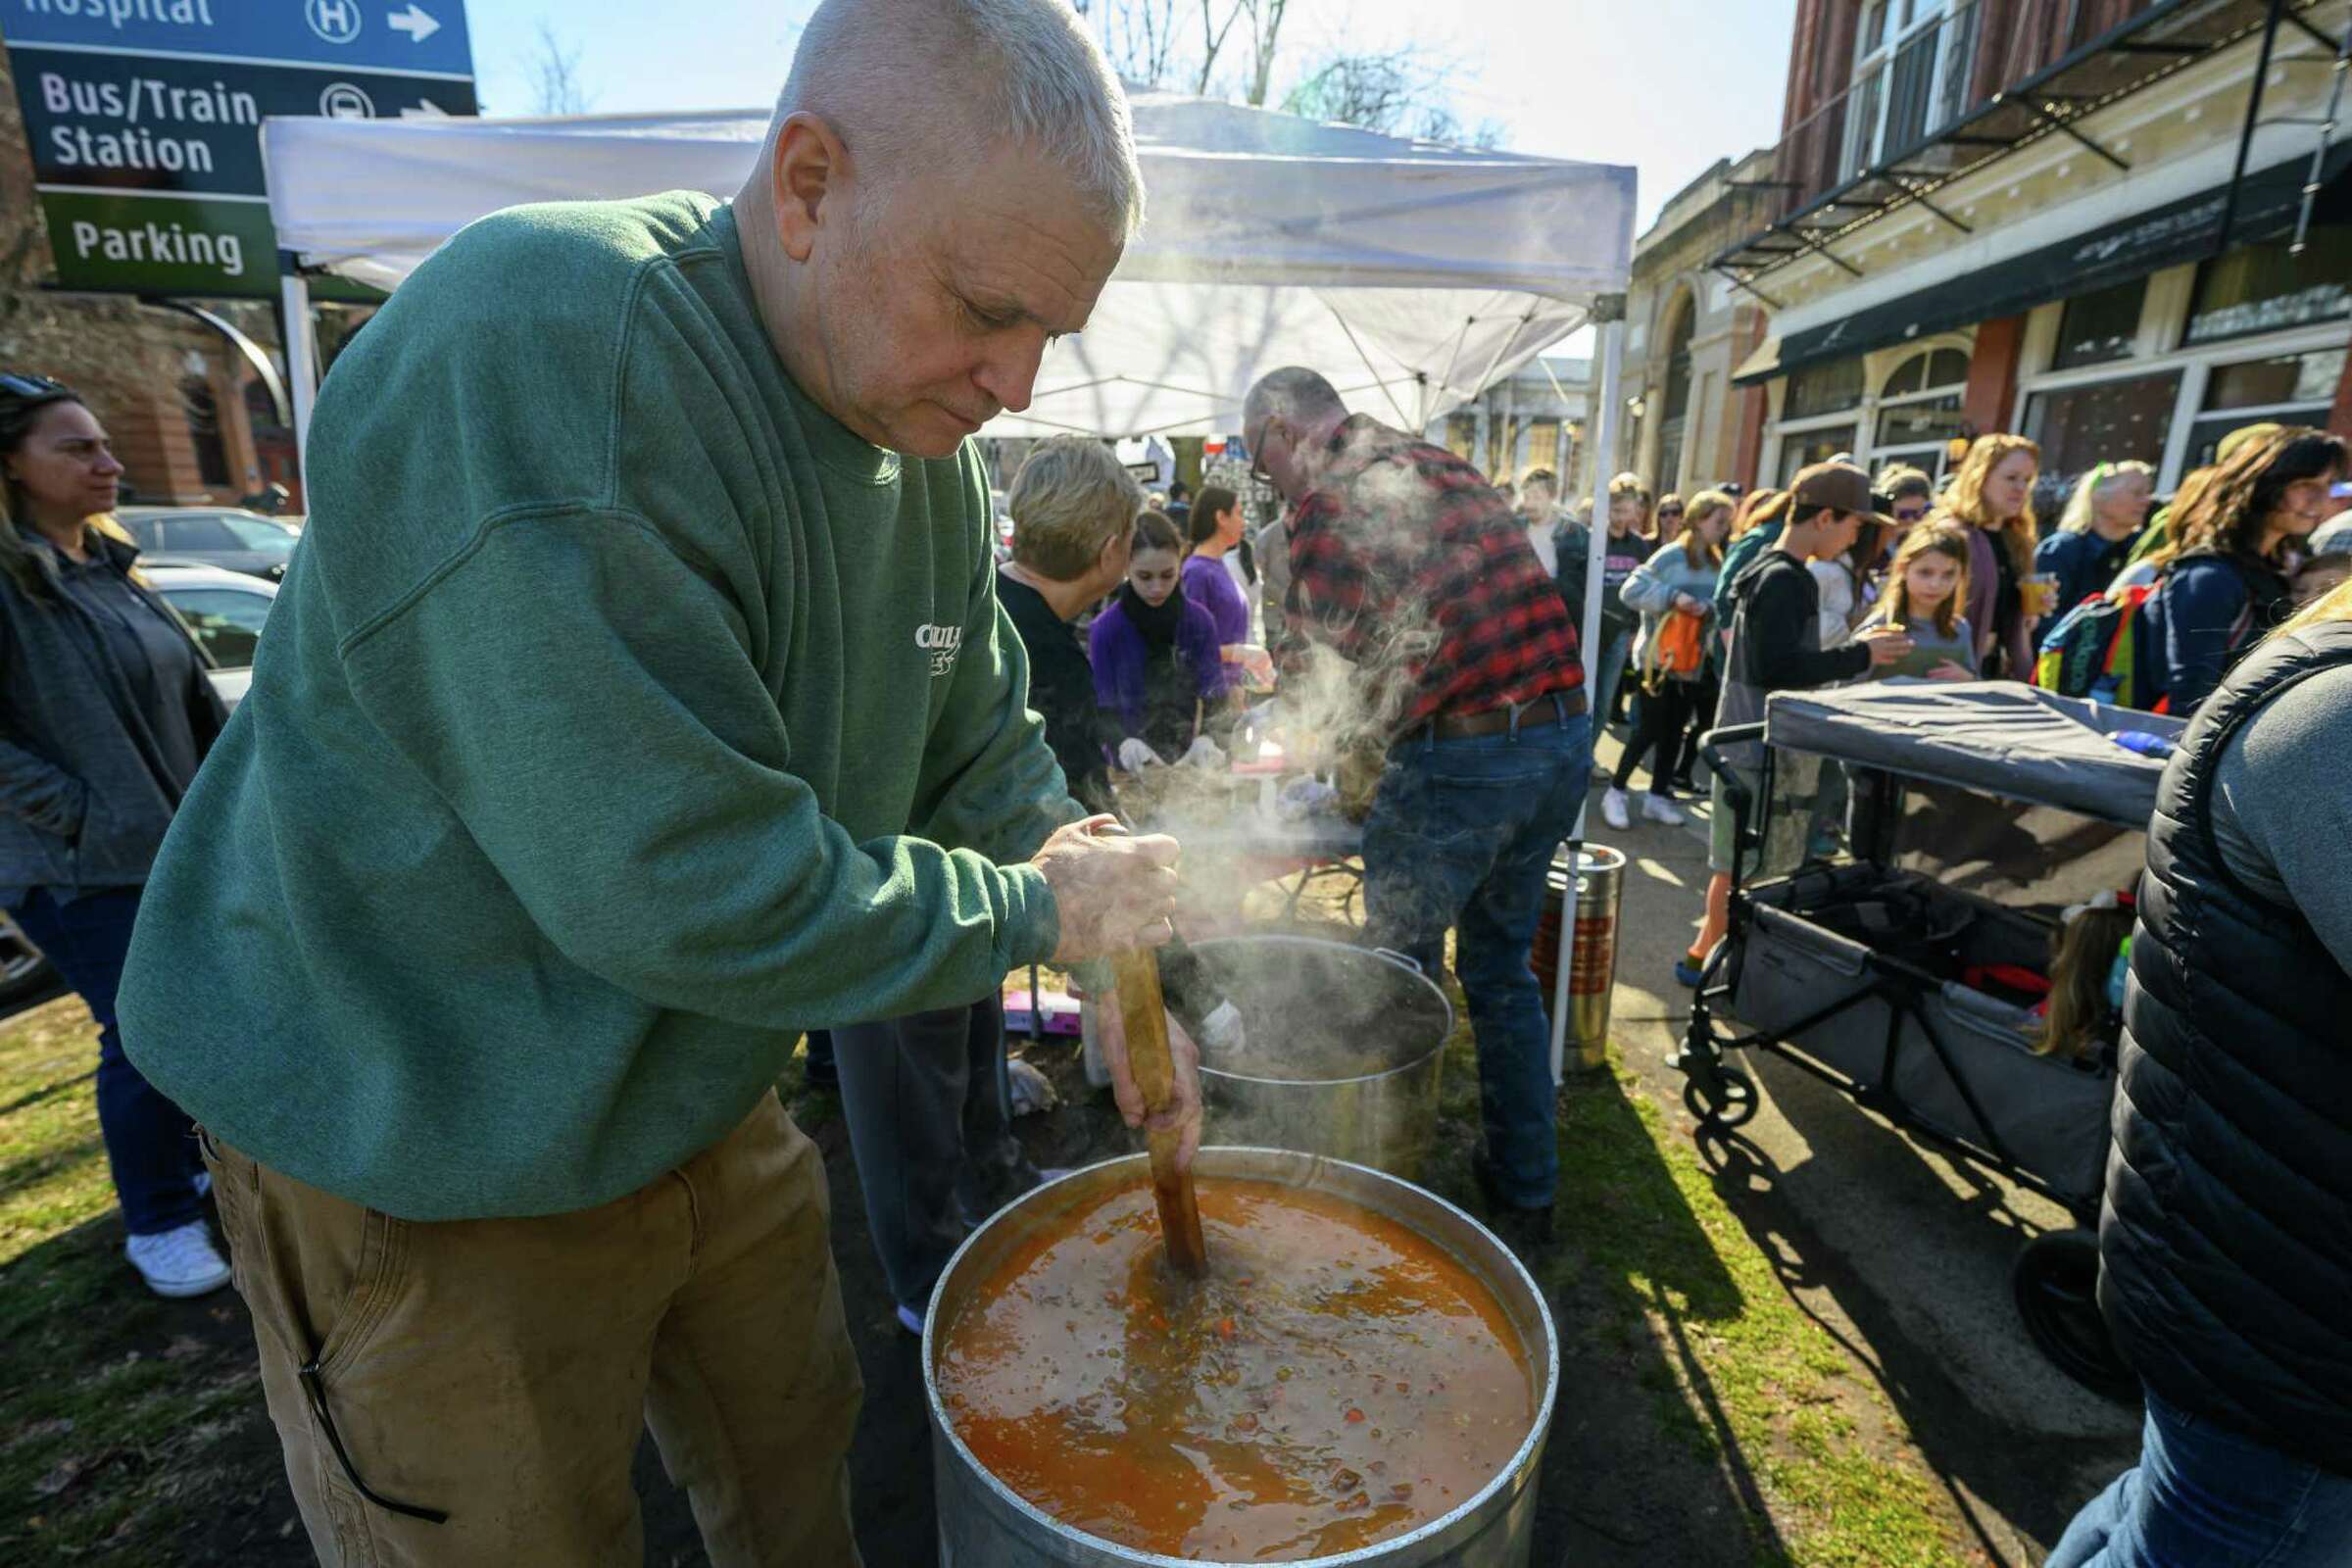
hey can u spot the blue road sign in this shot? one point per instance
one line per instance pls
(378, 35)
(166, 123)
(144, 118)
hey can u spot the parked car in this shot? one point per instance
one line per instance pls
(211, 536)
(26, 972)
(225, 610)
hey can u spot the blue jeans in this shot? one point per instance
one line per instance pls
(2205, 1498)
(930, 1120)
(1615, 655)
(1461, 834)
(150, 1143)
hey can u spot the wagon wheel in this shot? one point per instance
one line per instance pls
(1733, 1103)
(2055, 1280)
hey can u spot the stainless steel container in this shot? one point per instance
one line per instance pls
(1591, 983)
(1341, 1049)
(984, 1524)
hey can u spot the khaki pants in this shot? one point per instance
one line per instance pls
(498, 1371)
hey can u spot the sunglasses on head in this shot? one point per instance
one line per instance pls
(32, 387)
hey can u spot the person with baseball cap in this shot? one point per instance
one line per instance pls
(1776, 646)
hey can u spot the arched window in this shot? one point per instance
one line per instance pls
(1919, 409)
(1936, 369)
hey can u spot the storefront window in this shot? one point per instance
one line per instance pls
(1918, 423)
(1830, 388)
(2262, 288)
(2285, 389)
(2107, 421)
(1815, 446)
(2285, 378)
(2101, 326)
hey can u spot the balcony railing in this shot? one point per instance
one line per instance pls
(1931, 103)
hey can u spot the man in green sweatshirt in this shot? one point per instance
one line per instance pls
(639, 699)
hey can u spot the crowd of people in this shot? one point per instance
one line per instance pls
(590, 764)
(1938, 580)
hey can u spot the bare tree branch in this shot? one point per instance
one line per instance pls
(1405, 91)
(555, 86)
(1213, 40)
(1265, 37)
(1141, 38)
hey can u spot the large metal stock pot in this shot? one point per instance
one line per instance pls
(1340, 1052)
(984, 1524)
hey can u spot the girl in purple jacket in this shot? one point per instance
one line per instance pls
(1157, 673)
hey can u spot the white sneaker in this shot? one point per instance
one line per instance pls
(178, 1262)
(1613, 812)
(1658, 808)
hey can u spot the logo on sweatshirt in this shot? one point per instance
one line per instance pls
(942, 643)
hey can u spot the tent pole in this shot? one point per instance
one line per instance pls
(1370, 369)
(1445, 377)
(1610, 310)
(302, 360)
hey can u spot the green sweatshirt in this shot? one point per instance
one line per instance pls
(623, 714)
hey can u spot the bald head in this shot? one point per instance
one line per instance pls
(924, 84)
(946, 189)
(1285, 420)
(1296, 395)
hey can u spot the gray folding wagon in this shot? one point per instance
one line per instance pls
(1902, 851)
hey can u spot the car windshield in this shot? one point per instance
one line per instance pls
(256, 534)
(228, 621)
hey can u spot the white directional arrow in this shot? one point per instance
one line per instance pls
(414, 22)
(423, 111)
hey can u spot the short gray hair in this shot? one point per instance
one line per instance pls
(889, 75)
(1293, 394)
(1069, 499)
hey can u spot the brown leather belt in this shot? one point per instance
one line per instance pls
(1544, 712)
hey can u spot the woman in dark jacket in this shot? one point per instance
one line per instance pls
(104, 713)
(2226, 1239)
(2224, 576)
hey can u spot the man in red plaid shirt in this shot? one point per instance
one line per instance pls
(1463, 660)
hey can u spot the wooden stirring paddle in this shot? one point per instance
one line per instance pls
(1145, 1018)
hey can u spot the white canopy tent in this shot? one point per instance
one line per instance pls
(1412, 274)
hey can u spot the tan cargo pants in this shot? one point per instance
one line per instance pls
(497, 1372)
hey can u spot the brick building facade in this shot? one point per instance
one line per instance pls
(2029, 214)
(1683, 425)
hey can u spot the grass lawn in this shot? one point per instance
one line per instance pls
(132, 1430)
(1667, 1286)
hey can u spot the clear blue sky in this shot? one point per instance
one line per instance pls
(1666, 86)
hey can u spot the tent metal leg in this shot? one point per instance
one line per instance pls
(302, 358)
(1604, 442)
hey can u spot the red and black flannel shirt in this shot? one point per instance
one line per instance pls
(1410, 567)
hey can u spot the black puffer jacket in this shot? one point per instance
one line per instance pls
(2226, 1245)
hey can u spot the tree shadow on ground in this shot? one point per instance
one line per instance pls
(131, 1428)
(1646, 1464)
(1993, 1468)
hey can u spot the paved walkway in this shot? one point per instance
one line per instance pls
(1901, 1249)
